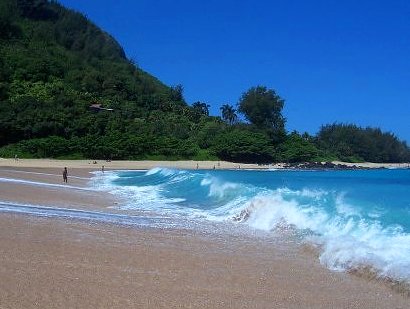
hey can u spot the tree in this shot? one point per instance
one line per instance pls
(242, 145)
(177, 93)
(209, 131)
(228, 113)
(353, 143)
(297, 148)
(199, 110)
(35, 9)
(263, 108)
(8, 15)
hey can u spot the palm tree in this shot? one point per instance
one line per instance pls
(201, 108)
(228, 113)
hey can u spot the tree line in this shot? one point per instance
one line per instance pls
(55, 63)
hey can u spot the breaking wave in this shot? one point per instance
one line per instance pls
(355, 220)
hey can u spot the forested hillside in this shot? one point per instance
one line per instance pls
(352, 143)
(55, 64)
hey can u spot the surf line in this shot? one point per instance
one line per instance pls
(85, 215)
(44, 174)
(42, 184)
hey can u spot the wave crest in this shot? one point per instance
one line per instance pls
(349, 235)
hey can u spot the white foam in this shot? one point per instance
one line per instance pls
(163, 171)
(267, 211)
(310, 193)
(224, 212)
(153, 171)
(386, 251)
(348, 241)
(347, 236)
(103, 181)
(345, 208)
(217, 188)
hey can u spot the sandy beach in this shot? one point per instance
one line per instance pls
(90, 165)
(143, 165)
(61, 263)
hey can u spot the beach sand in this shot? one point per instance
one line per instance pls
(142, 165)
(61, 263)
(73, 196)
(89, 165)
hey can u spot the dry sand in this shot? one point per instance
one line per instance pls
(89, 165)
(375, 165)
(57, 263)
(143, 165)
(60, 264)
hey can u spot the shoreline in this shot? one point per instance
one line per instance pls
(121, 165)
(96, 165)
(48, 262)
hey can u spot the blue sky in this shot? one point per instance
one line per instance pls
(332, 61)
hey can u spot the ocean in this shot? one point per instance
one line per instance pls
(356, 219)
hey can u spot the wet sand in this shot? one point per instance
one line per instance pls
(72, 196)
(60, 263)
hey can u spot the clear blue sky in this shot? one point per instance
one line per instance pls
(344, 61)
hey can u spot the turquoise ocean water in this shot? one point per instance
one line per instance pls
(356, 219)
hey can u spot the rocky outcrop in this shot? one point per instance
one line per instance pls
(322, 166)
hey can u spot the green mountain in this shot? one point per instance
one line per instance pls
(55, 63)
(67, 90)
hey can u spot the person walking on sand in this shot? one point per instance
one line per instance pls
(65, 175)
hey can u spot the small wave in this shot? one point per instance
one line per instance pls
(316, 194)
(217, 188)
(153, 171)
(163, 171)
(103, 181)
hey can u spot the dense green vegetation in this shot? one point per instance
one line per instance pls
(55, 63)
(352, 143)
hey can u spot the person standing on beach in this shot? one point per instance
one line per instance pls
(102, 169)
(65, 175)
